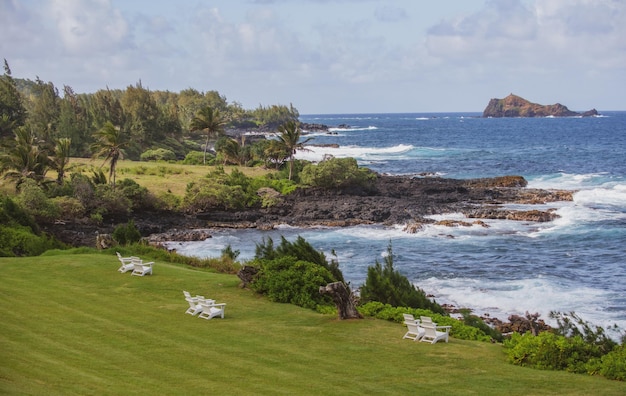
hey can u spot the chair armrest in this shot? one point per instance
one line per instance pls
(446, 328)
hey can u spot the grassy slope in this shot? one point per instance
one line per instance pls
(74, 325)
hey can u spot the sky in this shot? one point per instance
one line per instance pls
(329, 56)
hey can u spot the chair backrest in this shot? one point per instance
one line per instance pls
(412, 326)
(187, 294)
(430, 331)
(409, 317)
(426, 319)
(192, 302)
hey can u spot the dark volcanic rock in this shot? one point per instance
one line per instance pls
(389, 200)
(515, 106)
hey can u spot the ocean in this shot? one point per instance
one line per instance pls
(576, 263)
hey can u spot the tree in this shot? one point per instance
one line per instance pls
(388, 286)
(12, 111)
(23, 158)
(61, 158)
(110, 143)
(289, 137)
(210, 121)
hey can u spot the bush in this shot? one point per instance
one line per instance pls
(549, 351)
(336, 173)
(293, 281)
(21, 241)
(34, 201)
(612, 365)
(126, 234)
(293, 273)
(196, 158)
(135, 193)
(220, 191)
(159, 154)
(388, 286)
(69, 207)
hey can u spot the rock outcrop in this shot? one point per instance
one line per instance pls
(515, 106)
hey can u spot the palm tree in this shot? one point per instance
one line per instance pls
(22, 158)
(209, 120)
(289, 137)
(110, 142)
(61, 158)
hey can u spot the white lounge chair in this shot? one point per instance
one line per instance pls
(432, 333)
(211, 310)
(427, 320)
(414, 332)
(194, 307)
(197, 299)
(140, 268)
(409, 318)
(127, 262)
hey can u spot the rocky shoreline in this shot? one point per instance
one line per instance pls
(390, 200)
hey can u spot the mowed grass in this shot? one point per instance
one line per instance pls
(72, 324)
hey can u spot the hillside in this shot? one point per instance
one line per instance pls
(92, 330)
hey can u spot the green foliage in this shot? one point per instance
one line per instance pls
(110, 202)
(301, 250)
(220, 191)
(126, 234)
(196, 158)
(69, 207)
(571, 325)
(19, 240)
(293, 273)
(11, 213)
(159, 154)
(230, 253)
(35, 201)
(388, 286)
(549, 351)
(336, 173)
(289, 280)
(135, 193)
(612, 365)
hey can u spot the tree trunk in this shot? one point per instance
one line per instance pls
(343, 298)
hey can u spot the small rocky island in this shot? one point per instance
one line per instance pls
(516, 106)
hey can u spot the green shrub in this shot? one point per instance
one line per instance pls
(220, 191)
(293, 281)
(336, 173)
(549, 351)
(35, 201)
(126, 234)
(388, 286)
(196, 158)
(69, 207)
(159, 154)
(293, 273)
(21, 241)
(135, 193)
(110, 202)
(612, 365)
(11, 213)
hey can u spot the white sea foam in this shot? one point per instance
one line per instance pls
(353, 128)
(504, 298)
(317, 153)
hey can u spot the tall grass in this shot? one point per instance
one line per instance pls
(71, 324)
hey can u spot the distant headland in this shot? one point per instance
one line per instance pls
(516, 106)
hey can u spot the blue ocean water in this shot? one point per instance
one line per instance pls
(575, 263)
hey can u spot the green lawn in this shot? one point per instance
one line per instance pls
(71, 324)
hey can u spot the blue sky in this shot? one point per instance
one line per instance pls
(329, 56)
